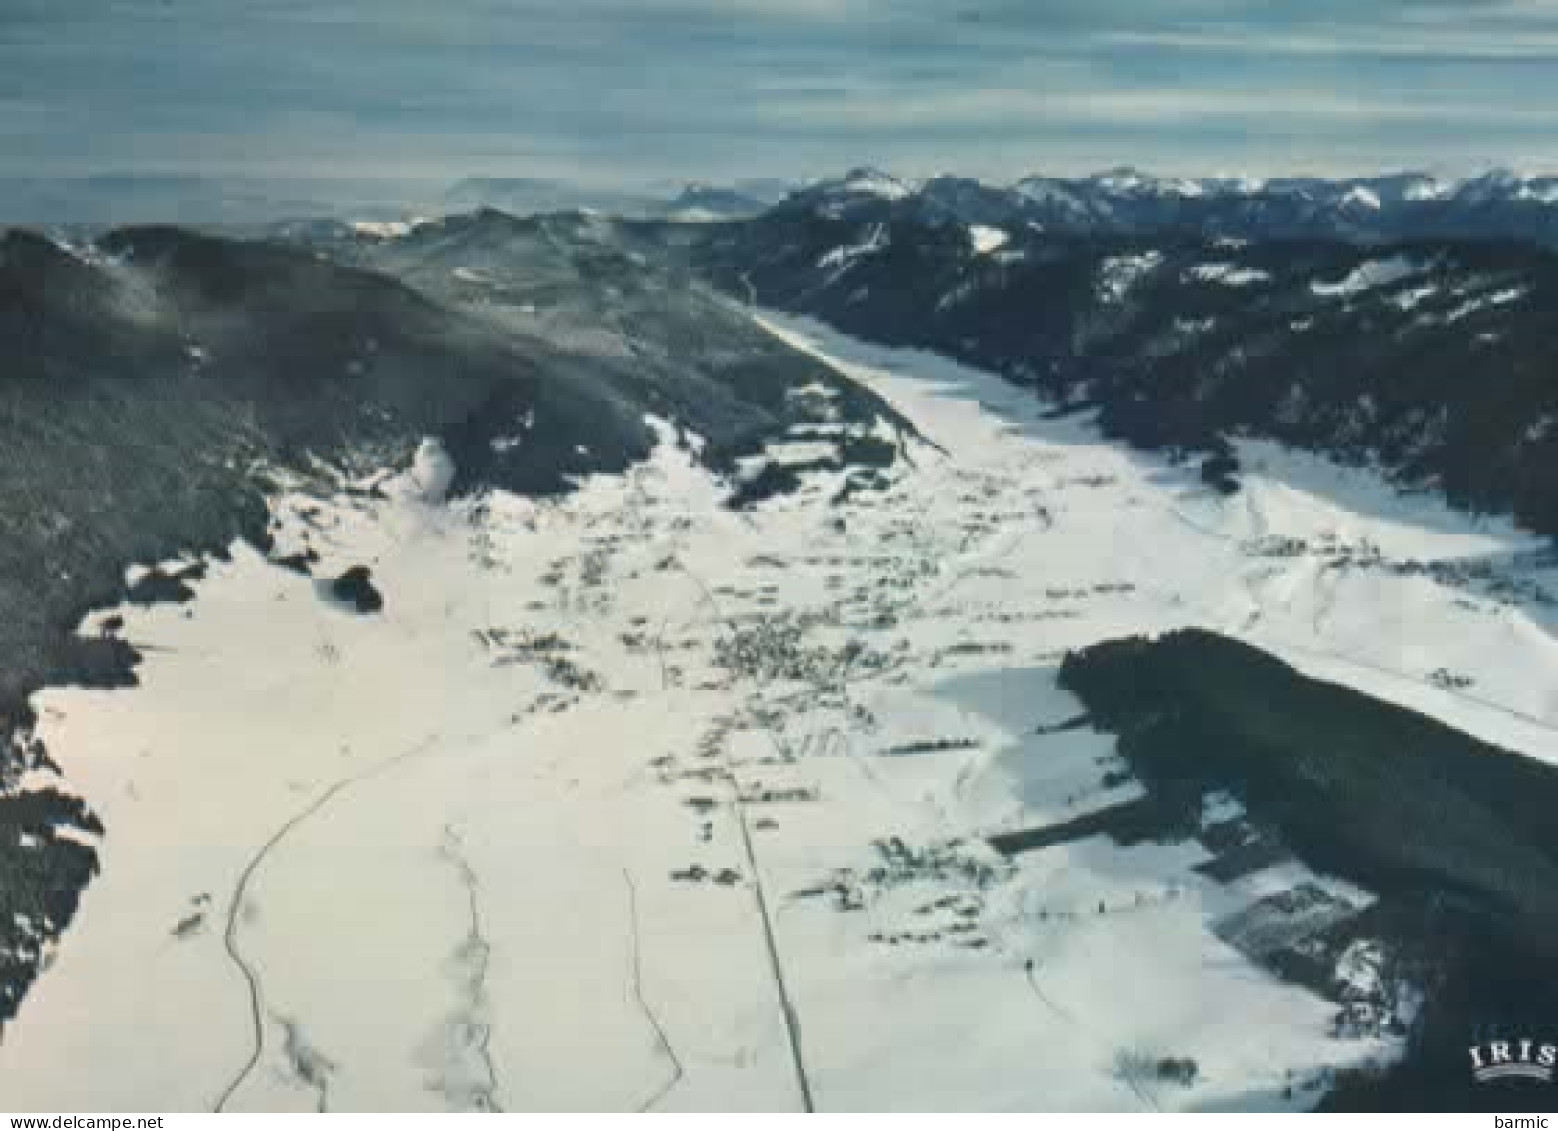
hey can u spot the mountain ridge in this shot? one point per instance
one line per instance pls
(1381, 208)
(1426, 358)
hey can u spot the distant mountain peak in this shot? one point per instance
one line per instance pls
(872, 181)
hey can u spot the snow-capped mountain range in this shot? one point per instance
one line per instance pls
(1499, 204)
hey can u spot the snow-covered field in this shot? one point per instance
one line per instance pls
(627, 801)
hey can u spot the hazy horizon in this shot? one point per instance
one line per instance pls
(611, 92)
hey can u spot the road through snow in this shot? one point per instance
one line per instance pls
(703, 828)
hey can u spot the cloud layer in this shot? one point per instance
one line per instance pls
(639, 90)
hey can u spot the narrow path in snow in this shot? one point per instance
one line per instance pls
(1126, 1072)
(636, 981)
(251, 974)
(239, 901)
(1054, 1006)
(475, 1022)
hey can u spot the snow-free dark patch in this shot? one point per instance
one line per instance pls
(155, 587)
(102, 662)
(301, 562)
(41, 878)
(355, 589)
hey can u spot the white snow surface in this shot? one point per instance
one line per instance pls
(873, 183)
(430, 475)
(1479, 302)
(1119, 273)
(388, 229)
(986, 239)
(423, 860)
(844, 257)
(1040, 191)
(1360, 197)
(1229, 274)
(1367, 276)
(1428, 189)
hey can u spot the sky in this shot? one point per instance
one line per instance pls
(630, 92)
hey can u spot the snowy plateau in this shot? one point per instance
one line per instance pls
(629, 800)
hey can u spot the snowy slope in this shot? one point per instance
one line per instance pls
(627, 800)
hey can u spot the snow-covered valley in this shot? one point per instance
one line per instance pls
(628, 800)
